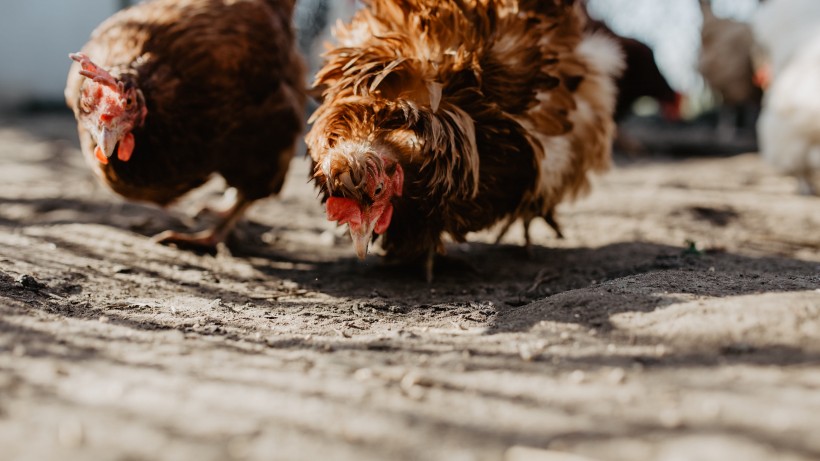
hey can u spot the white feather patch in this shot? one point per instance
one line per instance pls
(602, 53)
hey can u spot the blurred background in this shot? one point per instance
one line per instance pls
(35, 63)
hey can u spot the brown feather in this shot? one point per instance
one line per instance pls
(223, 88)
(468, 96)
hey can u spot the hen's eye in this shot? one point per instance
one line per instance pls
(378, 190)
(128, 103)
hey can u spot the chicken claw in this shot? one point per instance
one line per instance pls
(207, 240)
(549, 218)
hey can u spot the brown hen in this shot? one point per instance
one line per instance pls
(725, 62)
(183, 89)
(447, 117)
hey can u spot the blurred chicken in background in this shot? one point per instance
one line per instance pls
(788, 32)
(641, 78)
(314, 20)
(725, 62)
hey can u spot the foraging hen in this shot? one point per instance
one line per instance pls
(640, 77)
(725, 62)
(447, 117)
(788, 32)
(183, 89)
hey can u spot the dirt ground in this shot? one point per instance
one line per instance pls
(678, 320)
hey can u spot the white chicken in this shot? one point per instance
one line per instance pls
(788, 32)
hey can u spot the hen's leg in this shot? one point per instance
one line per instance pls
(553, 223)
(505, 229)
(428, 265)
(727, 123)
(527, 240)
(208, 239)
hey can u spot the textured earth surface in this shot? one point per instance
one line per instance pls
(678, 320)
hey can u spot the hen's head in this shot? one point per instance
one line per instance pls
(362, 183)
(109, 109)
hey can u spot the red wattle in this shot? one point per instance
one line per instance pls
(343, 210)
(126, 148)
(384, 220)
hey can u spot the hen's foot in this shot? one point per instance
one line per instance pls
(204, 242)
(207, 240)
(553, 223)
(504, 230)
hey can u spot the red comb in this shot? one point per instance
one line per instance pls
(95, 73)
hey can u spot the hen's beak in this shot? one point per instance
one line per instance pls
(106, 141)
(361, 238)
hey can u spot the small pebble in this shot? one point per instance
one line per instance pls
(363, 374)
(617, 376)
(410, 385)
(577, 377)
(526, 353)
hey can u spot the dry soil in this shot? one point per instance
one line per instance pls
(678, 320)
